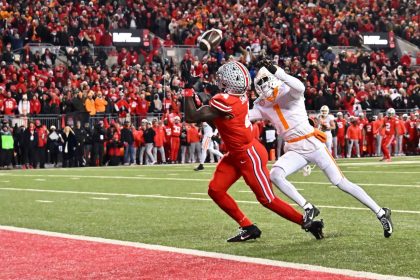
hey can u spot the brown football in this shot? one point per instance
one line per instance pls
(210, 39)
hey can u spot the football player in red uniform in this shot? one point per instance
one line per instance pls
(341, 134)
(362, 122)
(369, 138)
(176, 128)
(246, 156)
(412, 137)
(390, 131)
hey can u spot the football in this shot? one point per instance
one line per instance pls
(210, 39)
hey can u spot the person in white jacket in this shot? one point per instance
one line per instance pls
(24, 106)
(281, 100)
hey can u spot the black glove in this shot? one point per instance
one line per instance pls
(267, 63)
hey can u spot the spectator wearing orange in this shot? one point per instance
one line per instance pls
(90, 104)
(353, 135)
(100, 103)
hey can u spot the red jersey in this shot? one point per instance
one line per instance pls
(411, 127)
(341, 127)
(236, 132)
(362, 123)
(369, 129)
(10, 106)
(389, 126)
(168, 133)
(159, 136)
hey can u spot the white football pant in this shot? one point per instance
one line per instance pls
(292, 161)
(207, 144)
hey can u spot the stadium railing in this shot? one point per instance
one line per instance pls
(61, 120)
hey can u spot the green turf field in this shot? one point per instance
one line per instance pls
(168, 205)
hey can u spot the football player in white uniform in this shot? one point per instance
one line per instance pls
(281, 101)
(207, 144)
(326, 124)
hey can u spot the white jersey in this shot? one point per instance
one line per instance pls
(286, 111)
(326, 122)
(207, 130)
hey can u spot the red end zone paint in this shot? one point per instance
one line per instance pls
(33, 256)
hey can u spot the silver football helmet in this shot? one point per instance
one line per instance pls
(324, 111)
(390, 112)
(264, 82)
(234, 78)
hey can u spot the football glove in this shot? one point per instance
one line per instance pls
(267, 63)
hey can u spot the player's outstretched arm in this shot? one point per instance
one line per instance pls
(203, 114)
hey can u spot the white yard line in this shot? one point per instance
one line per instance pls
(196, 193)
(183, 179)
(44, 201)
(40, 180)
(192, 252)
(182, 198)
(367, 171)
(99, 198)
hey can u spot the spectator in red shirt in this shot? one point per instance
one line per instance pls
(10, 104)
(35, 105)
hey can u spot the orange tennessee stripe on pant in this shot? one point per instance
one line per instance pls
(328, 152)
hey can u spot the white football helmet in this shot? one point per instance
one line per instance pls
(324, 111)
(390, 112)
(234, 78)
(264, 83)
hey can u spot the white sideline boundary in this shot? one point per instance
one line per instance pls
(315, 268)
(183, 179)
(186, 198)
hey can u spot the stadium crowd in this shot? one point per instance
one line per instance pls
(297, 35)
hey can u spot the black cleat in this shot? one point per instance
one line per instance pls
(309, 216)
(316, 229)
(387, 222)
(246, 233)
(199, 167)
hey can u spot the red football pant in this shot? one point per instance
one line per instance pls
(251, 165)
(370, 145)
(386, 141)
(174, 148)
(341, 142)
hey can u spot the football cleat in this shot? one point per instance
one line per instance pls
(309, 216)
(199, 167)
(246, 233)
(387, 222)
(316, 229)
